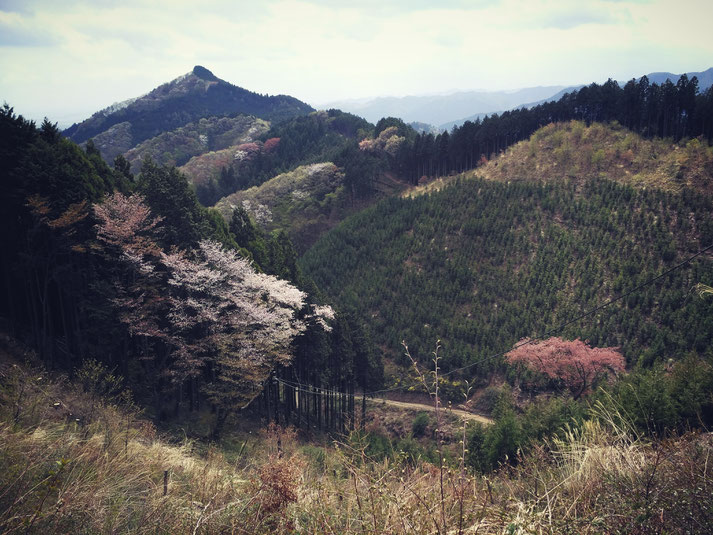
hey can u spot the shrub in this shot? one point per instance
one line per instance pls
(487, 400)
(420, 423)
(475, 455)
(645, 400)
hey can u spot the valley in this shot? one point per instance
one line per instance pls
(224, 311)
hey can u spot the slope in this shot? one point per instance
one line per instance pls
(321, 136)
(178, 146)
(79, 459)
(574, 151)
(482, 263)
(577, 151)
(300, 201)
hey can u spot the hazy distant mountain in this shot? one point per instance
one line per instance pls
(481, 115)
(446, 111)
(190, 97)
(439, 109)
(705, 78)
(449, 125)
(424, 128)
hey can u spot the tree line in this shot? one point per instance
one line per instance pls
(667, 110)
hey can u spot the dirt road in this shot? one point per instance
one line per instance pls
(422, 407)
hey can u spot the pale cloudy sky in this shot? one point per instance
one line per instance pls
(68, 58)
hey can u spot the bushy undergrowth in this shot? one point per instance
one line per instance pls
(75, 463)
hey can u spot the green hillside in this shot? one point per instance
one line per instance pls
(575, 150)
(178, 146)
(321, 136)
(299, 202)
(482, 264)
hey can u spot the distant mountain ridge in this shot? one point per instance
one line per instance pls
(438, 109)
(446, 111)
(705, 78)
(188, 98)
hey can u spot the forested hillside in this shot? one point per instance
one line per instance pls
(652, 110)
(177, 147)
(573, 150)
(576, 151)
(134, 273)
(482, 264)
(323, 136)
(299, 202)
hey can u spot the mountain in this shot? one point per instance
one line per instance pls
(188, 98)
(483, 262)
(481, 115)
(424, 128)
(439, 109)
(304, 179)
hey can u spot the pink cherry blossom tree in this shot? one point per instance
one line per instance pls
(577, 365)
(271, 144)
(209, 308)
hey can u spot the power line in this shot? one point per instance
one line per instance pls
(312, 389)
(532, 340)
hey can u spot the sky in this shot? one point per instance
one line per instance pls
(66, 59)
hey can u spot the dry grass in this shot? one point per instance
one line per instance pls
(107, 476)
(574, 151)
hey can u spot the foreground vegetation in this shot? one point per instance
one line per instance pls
(78, 458)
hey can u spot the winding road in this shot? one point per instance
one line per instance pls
(423, 407)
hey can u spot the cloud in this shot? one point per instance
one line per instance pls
(62, 55)
(14, 6)
(405, 6)
(15, 32)
(569, 18)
